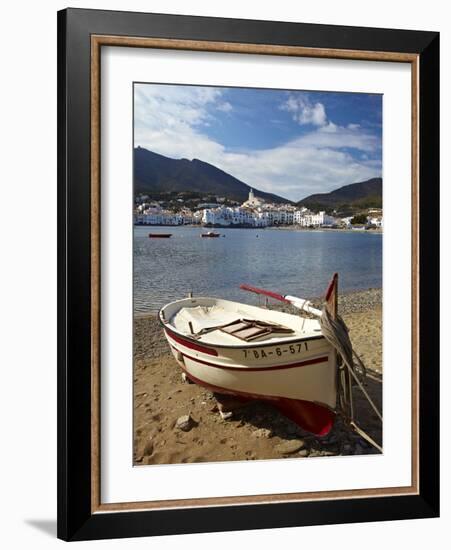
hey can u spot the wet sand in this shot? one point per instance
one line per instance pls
(253, 431)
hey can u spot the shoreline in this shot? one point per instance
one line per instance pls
(291, 227)
(255, 431)
(349, 301)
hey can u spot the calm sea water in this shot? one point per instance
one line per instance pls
(299, 263)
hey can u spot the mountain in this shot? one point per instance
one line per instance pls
(361, 195)
(154, 173)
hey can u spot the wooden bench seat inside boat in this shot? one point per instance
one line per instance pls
(249, 330)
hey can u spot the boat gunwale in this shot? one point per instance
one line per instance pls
(252, 344)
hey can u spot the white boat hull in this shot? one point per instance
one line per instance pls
(295, 373)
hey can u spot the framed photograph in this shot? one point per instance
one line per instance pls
(248, 274)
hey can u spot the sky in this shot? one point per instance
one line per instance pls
(288, 142)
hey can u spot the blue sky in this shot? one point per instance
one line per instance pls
(288, 142)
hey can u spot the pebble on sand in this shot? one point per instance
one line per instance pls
(148, 448)
(185, 423)
(226, 415)
(289, 447)
(262, 432)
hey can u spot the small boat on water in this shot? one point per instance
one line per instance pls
(160, 235)
(257, 353)
(210, 234)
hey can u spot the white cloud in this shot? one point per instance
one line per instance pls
(298, 168)
(225, 107)
(339, 137)
(171, 120)
(304, 111)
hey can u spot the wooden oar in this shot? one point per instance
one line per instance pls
(298, 303)
(264, 292)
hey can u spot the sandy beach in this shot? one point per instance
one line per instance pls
(254, 431)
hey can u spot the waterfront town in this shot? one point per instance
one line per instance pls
(253, 213)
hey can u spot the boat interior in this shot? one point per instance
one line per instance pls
(224, 322)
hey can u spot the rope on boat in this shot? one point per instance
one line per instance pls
(337, 334)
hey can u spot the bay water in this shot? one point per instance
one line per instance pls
(287, 261)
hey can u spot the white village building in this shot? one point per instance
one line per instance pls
(305, 218)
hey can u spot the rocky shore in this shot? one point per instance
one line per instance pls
(177, 422)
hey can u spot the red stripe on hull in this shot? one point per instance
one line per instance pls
(310, 416)
(190, 344)
(305, 363)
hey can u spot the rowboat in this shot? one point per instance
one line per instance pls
(160, 235)
(210, 234)
(258, 353)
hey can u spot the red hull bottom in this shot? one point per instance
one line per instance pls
(311, 417)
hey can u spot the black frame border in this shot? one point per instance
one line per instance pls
(75, 520)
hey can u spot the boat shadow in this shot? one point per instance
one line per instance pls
(269, 422)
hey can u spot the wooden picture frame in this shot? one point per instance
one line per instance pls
(81, 35)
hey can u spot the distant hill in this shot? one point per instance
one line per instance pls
(154, 173)
(352, 197)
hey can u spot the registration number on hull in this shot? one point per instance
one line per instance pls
(262, 353)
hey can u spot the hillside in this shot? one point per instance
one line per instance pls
(154, 173)
(352, 197)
